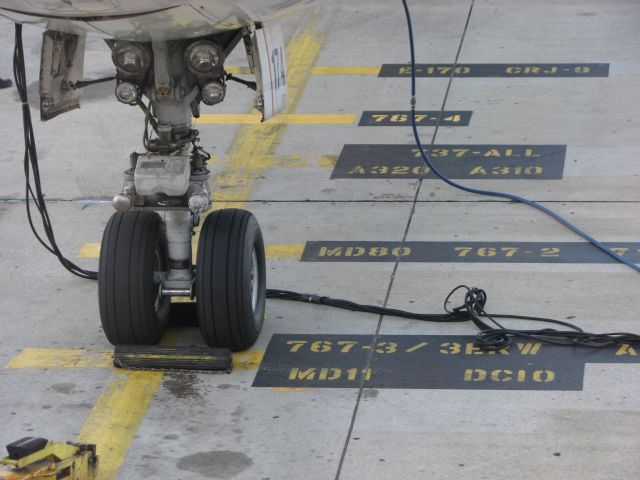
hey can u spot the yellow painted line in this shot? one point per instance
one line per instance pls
(61, 358)
(345, 70)
(322, 70)
(284, 251)
(228, 118)
(299, 161)
(283, 118)
(238, 70)
(253, 142)
(166, 356)
(249, 360)
(89, 250)
(328, 161)
(273, 251)
(292, 389)
(181, 300)
(116, 417)
(83, 358)
(416, 347)
(313, 119)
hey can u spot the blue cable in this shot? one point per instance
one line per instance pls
(490, 193)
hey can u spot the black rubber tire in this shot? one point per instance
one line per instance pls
(223, 279)
(134, 245)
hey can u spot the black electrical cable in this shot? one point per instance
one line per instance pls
(33, 192)
(472, 309)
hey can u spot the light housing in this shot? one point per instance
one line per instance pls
(127, 92)
(204, 57)
(131, 59)
(213, 92)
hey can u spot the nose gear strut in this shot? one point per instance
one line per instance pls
(146, 255)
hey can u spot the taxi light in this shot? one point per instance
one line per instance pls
(127, 92)
(213, 92)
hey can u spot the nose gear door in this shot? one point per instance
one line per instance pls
(61, 67)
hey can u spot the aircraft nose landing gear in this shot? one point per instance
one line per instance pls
(146, 255)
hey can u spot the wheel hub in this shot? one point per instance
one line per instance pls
(158, 277)
(255, 279)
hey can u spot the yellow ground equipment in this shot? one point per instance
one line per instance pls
(33, 458)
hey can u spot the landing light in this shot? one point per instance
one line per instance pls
(203, 57)
(130, 58)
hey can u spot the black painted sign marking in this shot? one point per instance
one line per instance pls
(517, 70)
(427, 362)
(466, 252)
(500, 162)
(384, 118)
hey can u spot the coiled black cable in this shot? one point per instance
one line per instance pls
(472, 309)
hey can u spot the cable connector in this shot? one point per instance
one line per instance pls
(312, 298)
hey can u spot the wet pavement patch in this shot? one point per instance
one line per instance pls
(65, 387)
(182, 384)
(216, 464)
(427, 362)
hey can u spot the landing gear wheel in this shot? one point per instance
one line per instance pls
(231, 279)
(133, 263)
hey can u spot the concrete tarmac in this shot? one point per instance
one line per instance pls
(552, 91)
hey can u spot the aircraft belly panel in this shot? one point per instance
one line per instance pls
(87, 8)
(143, 20)
(175, 23)
(77, 27)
